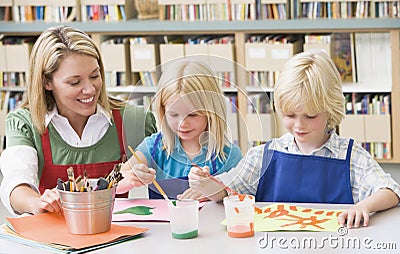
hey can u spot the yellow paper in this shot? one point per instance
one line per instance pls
(284, 217)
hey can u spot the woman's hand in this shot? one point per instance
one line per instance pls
(49, 201)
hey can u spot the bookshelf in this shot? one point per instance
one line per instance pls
(241, 30)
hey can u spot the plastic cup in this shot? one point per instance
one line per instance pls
(239, 215)
(184, 218)
(88, 212)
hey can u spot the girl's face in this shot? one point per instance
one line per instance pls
(184, 120)
(309, 131)
(76, 86)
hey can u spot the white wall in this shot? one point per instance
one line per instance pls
(393, 169)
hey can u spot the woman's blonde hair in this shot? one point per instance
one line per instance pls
(52, 46)
(196, 82)
(311, 80)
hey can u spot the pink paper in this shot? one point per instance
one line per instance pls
(159, 209)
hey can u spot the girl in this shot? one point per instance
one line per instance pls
(311, 163)
(191, 111)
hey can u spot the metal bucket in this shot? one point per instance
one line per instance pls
(88, 212)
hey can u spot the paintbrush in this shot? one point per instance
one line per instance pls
(71, 179)
(154, 180)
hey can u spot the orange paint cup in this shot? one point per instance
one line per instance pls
(239, 215)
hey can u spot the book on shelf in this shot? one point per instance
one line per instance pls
(183, 10)
(373, 58)
(144, 59)
(368, 120)
(14, 60)
(218, 10)
(272, 9)
(65, 11)
(115, 53)
(386, 9)
(333, 9)
(343, 55)
(6, 13)
(118, 10)
(243, 9)
(340, 47)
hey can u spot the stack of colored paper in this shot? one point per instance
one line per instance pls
(49, 231)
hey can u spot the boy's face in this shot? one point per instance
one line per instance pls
(309, 131)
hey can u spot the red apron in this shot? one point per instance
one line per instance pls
(52, 172)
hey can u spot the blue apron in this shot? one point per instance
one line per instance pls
(304, 178)
(171, 186)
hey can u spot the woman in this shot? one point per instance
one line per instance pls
(66, 119)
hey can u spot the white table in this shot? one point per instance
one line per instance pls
(383, 231)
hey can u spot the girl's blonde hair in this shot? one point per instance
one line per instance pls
(312, 81)
(198, 84)
(52, 46)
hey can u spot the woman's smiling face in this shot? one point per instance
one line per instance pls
(76, 86)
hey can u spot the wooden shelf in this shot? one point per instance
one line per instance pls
(138, 27)
(241, 29)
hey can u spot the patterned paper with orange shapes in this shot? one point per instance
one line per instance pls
(285, 217)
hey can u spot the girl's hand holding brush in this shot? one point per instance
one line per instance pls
(135, 174)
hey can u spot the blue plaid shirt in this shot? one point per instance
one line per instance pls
(366, 175)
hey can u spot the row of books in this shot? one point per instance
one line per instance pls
(368, 120)
(343, 10)
(104, 12)
(201, 10)
(211, 10)
(66, 10)
(14, 60)
(12, 79)
(368, 104)
(45, 13)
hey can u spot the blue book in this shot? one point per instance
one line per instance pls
(123, 14)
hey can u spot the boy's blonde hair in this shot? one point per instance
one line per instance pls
(312, 81)
(198, 84)
(52, 46)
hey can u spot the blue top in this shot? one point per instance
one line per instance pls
(178, 164)
(287, 177)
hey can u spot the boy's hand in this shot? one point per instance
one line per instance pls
(199, 178)
(200, 181)
(354, 216)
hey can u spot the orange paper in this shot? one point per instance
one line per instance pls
(51, 228)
